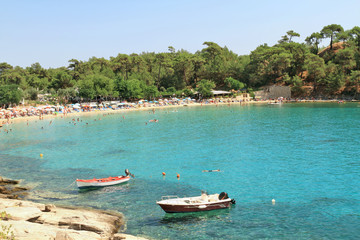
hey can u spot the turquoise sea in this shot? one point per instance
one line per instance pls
(303, 155)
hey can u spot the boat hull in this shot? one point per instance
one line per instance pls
(169, 208)
(99, 183)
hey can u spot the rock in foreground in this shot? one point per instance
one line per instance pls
(28, 220)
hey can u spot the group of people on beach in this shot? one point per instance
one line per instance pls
(10, 114)
(40, 111)
(5, 124)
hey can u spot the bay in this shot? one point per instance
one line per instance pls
(303, 155)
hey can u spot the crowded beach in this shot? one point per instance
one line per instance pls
(26, 112)
(38, 112)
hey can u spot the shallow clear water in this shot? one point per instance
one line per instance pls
(306, 156)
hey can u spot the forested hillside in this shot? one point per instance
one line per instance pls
(309, 71)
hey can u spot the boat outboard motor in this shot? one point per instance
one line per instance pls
(223, 196)
(128, 173)
(233, 201)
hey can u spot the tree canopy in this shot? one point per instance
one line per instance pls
(150, 74)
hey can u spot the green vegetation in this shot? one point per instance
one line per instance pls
(331, 71)
(6, 232)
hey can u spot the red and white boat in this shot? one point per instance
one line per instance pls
(174, 204)
(103, 182)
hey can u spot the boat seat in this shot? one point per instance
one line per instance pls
(214, 198)
(204, 197)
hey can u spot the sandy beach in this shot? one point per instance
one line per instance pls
(5, 122)
(115, 111)
(76, 114)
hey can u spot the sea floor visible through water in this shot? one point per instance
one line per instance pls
(303, 155)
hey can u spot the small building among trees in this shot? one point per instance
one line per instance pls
(273, 92)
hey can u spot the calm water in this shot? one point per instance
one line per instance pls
(306, 156)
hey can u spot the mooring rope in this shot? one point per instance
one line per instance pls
(71, 184)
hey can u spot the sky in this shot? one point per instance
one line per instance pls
(51, 32)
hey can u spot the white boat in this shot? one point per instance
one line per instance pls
(103, 182)
(174, 204)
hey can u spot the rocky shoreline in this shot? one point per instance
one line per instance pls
(22, 219)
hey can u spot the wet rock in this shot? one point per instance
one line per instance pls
(4, 190)
(9, 181)
(22, 195)
(7, 190)
(11, 196)
(19, 189)
(3, 195)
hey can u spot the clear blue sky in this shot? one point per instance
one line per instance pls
(52, 32)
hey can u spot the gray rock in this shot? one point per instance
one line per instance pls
(30, 220)
(6, 203)
(23, 213)
(29, 231)
(84, 220)
(122, 236)
(63, 235)
(50, 208)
